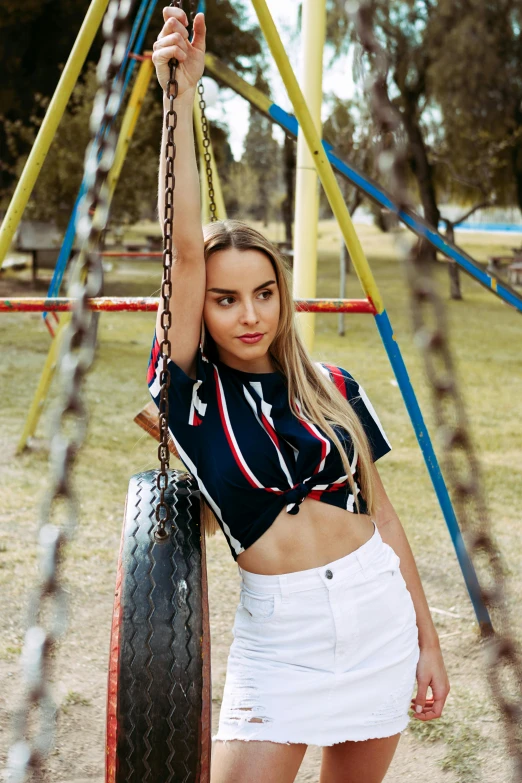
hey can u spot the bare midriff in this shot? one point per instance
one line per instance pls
(317, 535)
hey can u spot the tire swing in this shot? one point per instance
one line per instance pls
(159, 682)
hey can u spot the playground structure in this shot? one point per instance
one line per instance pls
(322, 156)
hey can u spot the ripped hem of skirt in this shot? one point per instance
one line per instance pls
(362, 734)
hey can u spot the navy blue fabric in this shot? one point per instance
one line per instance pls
(251, 456)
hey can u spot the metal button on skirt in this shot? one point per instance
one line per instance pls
(324, 655)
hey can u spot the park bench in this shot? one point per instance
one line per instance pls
(514, 272)
(42, 240)
(512, 264)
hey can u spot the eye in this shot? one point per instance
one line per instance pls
(220, 301)
(269, 292)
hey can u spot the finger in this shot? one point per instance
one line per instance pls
(428, 703)
(173, 25)
(167, 53)
(420, 697)
(198, 39)
(179, 13)
(436, 708)
(171, 40)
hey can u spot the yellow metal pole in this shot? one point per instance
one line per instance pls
(50, 123)
(218, 193)
(128, 125)
(130, 118)
(307, 190)
(324, 169)
(44, 384)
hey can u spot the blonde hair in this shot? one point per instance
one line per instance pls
(320, 400)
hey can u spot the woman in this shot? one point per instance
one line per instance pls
(329, 634)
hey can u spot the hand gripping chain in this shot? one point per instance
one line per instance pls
(162, 480)
(48, 603)
(463, 470)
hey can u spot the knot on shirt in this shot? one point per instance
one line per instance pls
(295, 496)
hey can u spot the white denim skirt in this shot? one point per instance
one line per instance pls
(323, 655)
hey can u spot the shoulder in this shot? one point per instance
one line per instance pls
(344, 381)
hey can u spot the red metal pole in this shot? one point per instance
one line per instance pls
(131, 254)
(149, 304)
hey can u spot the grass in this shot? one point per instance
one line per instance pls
(74, 699)
(486, 344)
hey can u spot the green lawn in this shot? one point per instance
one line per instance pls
(486, 341)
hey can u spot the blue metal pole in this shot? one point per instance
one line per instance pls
(142, 21)
(412, 406)
(410, 219)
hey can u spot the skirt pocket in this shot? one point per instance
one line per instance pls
(391, 588)
(259, 607)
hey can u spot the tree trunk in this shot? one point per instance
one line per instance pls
(344, 269)
(289, 173)
(453, 268)
(424, 174)
(516, 157)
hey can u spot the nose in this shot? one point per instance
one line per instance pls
(249, 313)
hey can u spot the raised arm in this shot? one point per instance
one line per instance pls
(188, 270)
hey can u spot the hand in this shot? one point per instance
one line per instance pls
(431, 672)
(173, 43)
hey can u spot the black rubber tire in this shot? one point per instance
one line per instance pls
(159, 694)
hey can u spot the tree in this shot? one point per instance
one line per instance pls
(35, 41)
(262, 156)
(475, 77)
(454, 145)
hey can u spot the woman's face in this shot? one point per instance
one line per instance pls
(242, 298)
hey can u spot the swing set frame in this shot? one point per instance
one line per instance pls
(373, 303)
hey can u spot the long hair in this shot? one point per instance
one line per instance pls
(319, 399)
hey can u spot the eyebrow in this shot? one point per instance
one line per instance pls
(228, 291)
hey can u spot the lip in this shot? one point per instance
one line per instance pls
(251, 338)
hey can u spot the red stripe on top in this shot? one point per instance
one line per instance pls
(151, 372)
(271, 431)
(338, 378)
(322, 441)
(227, 433)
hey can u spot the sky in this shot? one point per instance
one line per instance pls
(336, 79)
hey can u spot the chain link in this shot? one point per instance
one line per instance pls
(206, 153)
(460, 461)
(47, 615)
(206, 134)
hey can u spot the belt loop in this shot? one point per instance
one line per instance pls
(283, 586)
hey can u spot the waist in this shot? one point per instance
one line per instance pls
(320, 533)
(340, 569)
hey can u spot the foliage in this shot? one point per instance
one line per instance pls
(475, 76)
(57, 186)
(35, 41)
(262, 158)
(349, 129)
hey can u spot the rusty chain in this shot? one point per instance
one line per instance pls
(206, 134)
(431, 333)
(47, 615)
(206, 153)
(163, 512)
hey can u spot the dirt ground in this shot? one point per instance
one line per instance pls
(466, 745)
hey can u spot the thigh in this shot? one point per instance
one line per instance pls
(352, 762)
(255, 761)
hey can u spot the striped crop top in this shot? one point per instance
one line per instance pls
(250, 455)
